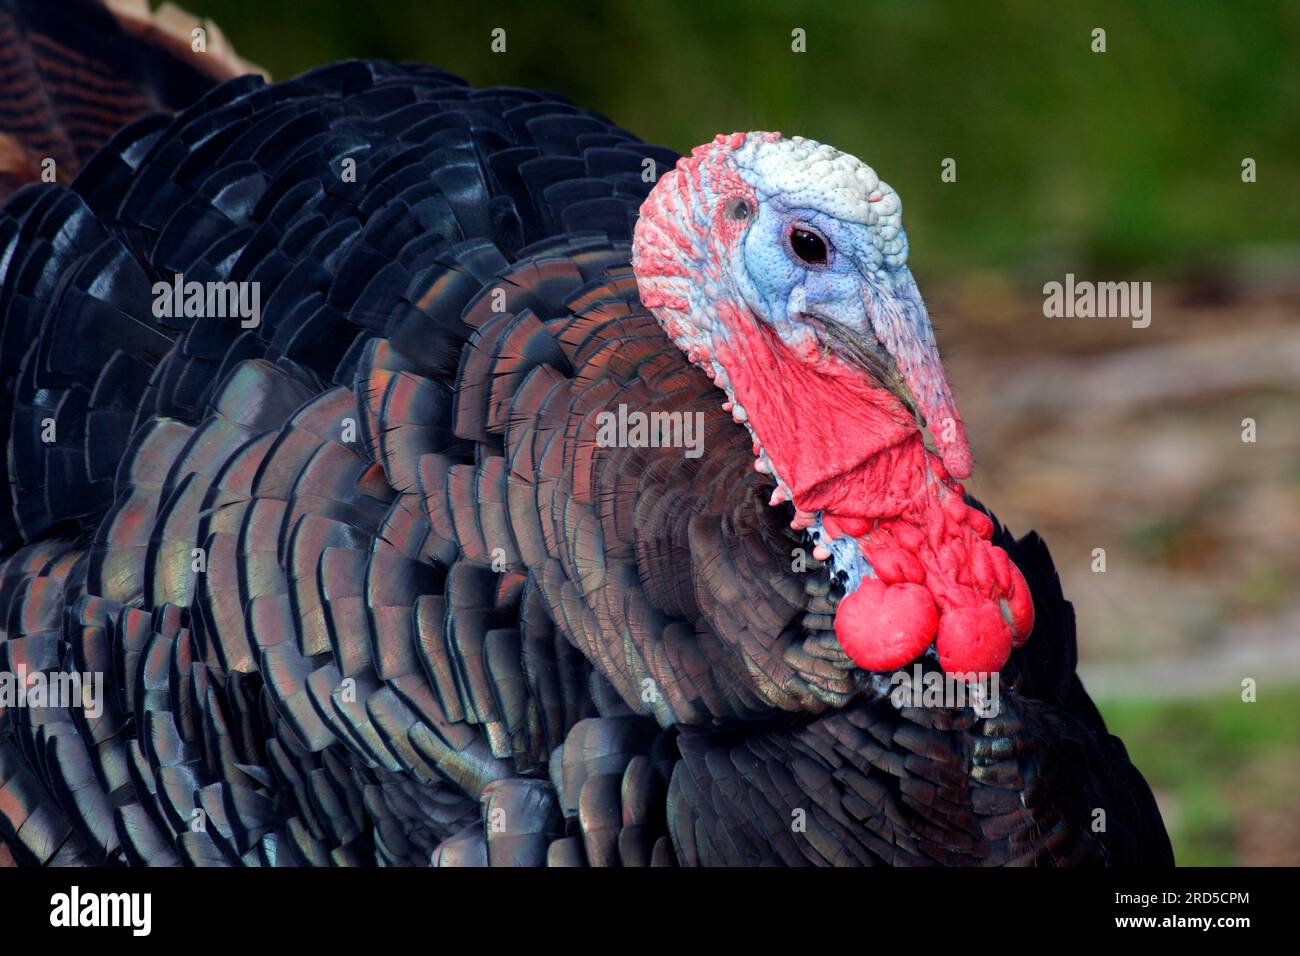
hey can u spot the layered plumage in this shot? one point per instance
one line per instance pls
(74, 72)
(362, 583)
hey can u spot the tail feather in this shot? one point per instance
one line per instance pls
(74, 72)
(78, 346)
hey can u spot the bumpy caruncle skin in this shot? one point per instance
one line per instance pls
(830, 361)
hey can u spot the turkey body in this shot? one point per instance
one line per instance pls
(361, 581)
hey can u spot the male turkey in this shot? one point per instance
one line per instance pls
(367, 581)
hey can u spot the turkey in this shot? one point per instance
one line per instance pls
(403, 473)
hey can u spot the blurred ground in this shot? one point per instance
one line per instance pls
(1226, 774)
(1099, 435)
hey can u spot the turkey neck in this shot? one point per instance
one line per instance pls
(838, 442)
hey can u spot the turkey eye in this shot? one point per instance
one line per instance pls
(808, 246)
(737, 209)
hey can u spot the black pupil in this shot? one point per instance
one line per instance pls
(808, 246)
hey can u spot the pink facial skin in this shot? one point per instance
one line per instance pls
(842, 446)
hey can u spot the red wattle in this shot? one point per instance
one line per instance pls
(884, 626)
(973, 639)
(837, 525)
(1021, 605)
(894, 566)
(847, 450)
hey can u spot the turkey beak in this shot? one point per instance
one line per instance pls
(902, 325)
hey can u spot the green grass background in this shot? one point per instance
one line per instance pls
(1204, 755)
(1065, 157)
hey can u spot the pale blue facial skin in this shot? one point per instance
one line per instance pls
(860, 288)
(781, 288)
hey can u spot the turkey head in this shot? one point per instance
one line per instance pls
(779, 267)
